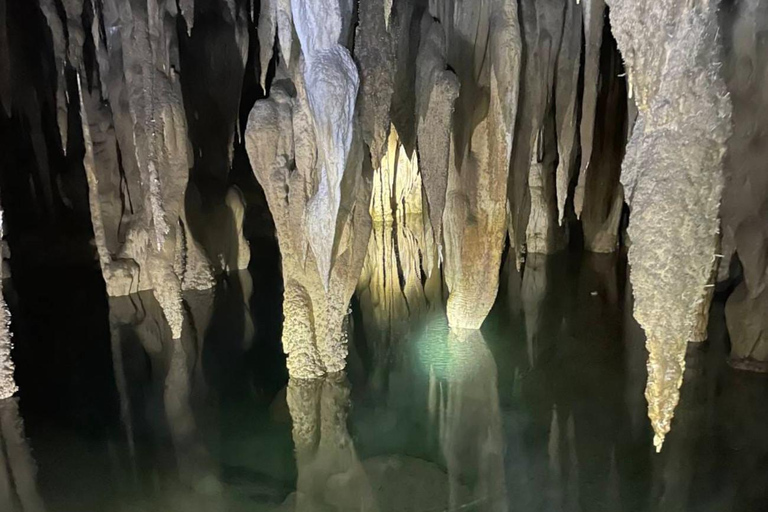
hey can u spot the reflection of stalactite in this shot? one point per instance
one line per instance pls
(330, 473)
(18, 482)
(465, 404)
(139, 318)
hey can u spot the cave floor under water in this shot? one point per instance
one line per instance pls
(543, 410)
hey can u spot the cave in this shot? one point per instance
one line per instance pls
(383, 255)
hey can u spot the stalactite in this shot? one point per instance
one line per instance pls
(282, 145)
(672, 177)
(566, 112)
(375, 55)
(601, 194)
(437, 89)
(533, 197)
(187, 8)
(474, 219)
(59, 42)
(594, 15)
(266, 30)
(745, 207)
(332, 83)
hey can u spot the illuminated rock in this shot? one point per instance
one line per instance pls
(474, 219)
(672, 177)
(281, 144)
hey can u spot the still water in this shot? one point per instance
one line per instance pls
(541, 411)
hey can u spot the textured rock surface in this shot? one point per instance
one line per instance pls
(533, 184)
(599, 197)
(281, 140)
(437, 89)
(375, 55)
(474, 220)
(7, 382)
(745, 198)
(136, 154)
(672, 177)
(593, 16)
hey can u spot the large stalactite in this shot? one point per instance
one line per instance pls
(672, 176)
(314, 181)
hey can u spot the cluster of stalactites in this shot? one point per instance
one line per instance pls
(135, 137)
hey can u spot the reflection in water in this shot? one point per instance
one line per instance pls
(464, 399)
(142, 342)
(18, 485)
(330, 476)
(541, 411)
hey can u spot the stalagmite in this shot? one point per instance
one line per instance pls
(474, 219)
(745, 198)
(7, 382)
(672, 177)
(593, 16)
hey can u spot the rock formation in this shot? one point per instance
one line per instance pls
(305, 150)
(7, 382)
(745, 198)
(480, 142)
(672, 177)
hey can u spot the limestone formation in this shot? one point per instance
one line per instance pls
(283, 146)
(437, 89)
(136, 158)
(593, 16)
(566, 88)
(599, 197)
(545, 127)
(375, 55)
(672, 177)
(745, 197)
(331, 84)
(474, 219)
(7, 382)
